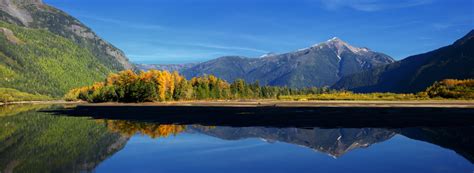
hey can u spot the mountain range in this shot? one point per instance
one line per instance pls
(319, 65)
(339, 65)
(167, 67)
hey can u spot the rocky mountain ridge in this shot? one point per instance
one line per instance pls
(319, 65)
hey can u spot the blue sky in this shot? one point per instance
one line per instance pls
(181, 31)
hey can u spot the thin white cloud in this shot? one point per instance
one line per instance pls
(372, 5)
(206, 46)
(191, 32)
(122, 23)
(173, 51)
(451, 24)
(399, 25)
(215, 46)
(441, 26)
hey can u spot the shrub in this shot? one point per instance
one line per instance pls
(452, 89)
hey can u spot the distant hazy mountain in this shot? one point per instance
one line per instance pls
(36, 14)
(167, 67)
(320, 65)
(417, 72)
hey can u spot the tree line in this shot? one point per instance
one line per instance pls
(155, 85)
(451, 89)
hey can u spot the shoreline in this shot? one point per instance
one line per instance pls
(279, 103)
(40, 102)
(275, 103)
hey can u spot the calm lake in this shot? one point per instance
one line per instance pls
(35, 140)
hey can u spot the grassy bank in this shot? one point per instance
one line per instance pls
(446, 89)
(354, 96)
(13, 95)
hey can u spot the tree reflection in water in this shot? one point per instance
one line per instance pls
(129, 128)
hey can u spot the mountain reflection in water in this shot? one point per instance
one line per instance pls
(39, 141)
(335, 142)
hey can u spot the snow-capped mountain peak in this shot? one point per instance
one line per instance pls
(268, 54)
(340, 46)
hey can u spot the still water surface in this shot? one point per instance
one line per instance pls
(35, 141)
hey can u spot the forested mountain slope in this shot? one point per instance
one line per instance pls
(38, 61)
(38, 15)
(44, 50)
(417, 72)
